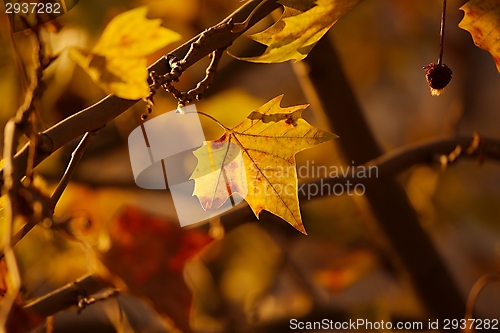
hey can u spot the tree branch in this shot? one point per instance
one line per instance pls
(76, 156)
(66, 296)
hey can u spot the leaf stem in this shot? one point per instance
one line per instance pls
(209, 116)
(240, 27)
(441, 34)
(66, 296)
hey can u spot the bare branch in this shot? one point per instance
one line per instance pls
(204, 84)
(86, 301)
(201, 87)
(76, 156)
(166, 81)
(67, 296)
(177, 67)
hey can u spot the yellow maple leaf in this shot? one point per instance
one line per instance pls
(302, 25)
(256, 159)
(117, 63)
(482, 21)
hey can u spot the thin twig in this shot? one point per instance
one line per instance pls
(8, 216)
(76, 156)
(441, 34)
(204, 84)
(177, 68)
(107, 294)
(66, 296)
(32, 111)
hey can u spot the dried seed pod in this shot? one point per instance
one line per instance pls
(438, 76)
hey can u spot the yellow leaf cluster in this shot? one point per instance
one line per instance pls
(118, 62)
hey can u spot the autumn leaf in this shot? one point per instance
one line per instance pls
(482, 21)
(118, 62)
(256, 159)
(302, 25)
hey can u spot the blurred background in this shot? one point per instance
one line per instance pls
(257, 276)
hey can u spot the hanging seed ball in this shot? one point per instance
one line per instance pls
(438, 77)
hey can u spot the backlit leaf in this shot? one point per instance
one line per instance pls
(302, 25)
(482, 21)
(118, 62)
(262, 170)
(124, 77)
(132, 34)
